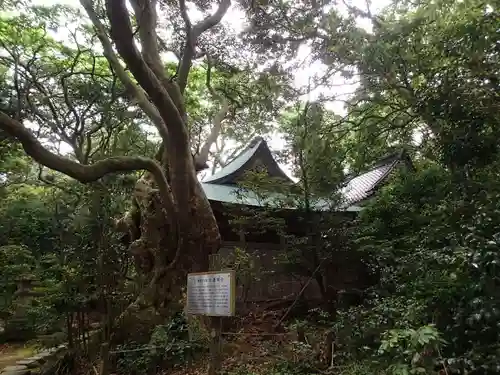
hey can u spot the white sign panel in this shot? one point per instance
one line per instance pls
(211, 293)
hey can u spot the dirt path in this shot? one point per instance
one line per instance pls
(10, 354)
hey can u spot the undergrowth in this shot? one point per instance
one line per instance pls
(169, 347)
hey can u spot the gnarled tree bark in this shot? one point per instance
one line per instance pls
(172, 229)
(154, 242)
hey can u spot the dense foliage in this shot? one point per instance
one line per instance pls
(90, 260)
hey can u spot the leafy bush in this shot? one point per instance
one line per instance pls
(436, 246)
(129, 361)
(411, 351)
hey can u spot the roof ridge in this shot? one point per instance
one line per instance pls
(251, 144)
(257, 146)
(229, 169)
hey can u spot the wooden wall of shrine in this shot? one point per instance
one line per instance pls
(268, 280)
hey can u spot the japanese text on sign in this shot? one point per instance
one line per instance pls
(211, 293)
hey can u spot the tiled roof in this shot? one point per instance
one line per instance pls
(362, 186)
(220, 186)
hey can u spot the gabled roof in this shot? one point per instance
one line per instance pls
(222, 186)
(256, 153)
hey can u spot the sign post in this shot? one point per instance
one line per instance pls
(212, 294)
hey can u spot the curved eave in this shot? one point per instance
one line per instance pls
(233, 195)
(257, 149)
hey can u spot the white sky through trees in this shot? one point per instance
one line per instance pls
(339, 87)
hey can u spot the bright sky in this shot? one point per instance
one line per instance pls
(341, 88)
(236, 20)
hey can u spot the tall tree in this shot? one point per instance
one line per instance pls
(420, 69)
(174, 226)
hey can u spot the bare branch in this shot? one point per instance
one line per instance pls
(202, 157)
(208, 80)
(166, 48)
(212, 20)
(185, 16)
(238, 149)
(368, 8)
(67, 99)
(217, 156)
(365, 14)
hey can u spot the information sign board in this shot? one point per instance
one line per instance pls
(211, 293)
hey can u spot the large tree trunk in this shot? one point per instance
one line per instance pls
(167, 240)
(155, 246)
(172, 229)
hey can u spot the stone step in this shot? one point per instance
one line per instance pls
(24, 366)
(37, 358)
(15, 370)
(29, 363)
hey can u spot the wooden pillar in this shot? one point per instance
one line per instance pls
(281, 275)
(104, 364)
(215, 327)
(241, 234)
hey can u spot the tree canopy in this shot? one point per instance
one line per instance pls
(139, 100)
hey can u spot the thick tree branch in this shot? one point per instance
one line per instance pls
(185, 16)
(185, 64)
(87, 173)
(121, 32)
(202, 157)
(176, 138)
(135, 91)
(145, 14)
(193, 32)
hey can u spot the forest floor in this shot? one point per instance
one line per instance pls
(248, 345)
(253, 345)
(11, 353)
